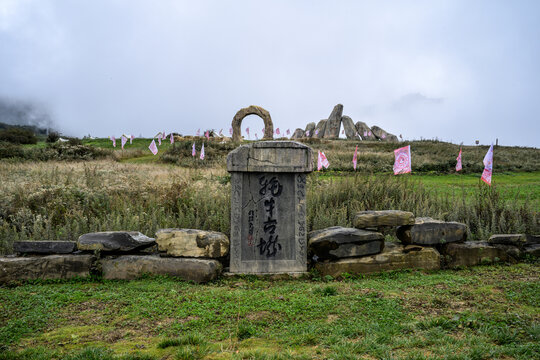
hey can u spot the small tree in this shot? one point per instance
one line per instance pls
(17, 135)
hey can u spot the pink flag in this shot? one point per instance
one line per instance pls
(207, 134)
(342, 131)
(370, 133)
(230, 131)
(172, 139)
(288, 132)
(193, 151)
(247, 130)
(365, 133)
(124, 141)
(113, 141)
(402, 164)
(131, 139)
(153, 147)
(383, 136)
(202, 152)
(159, 139)
(317, 132)
(307, 133)
(354, 159)
(322, 161)
(488, 166)
(263, 131)
(199, 132)
(277, 131)
(458, 165)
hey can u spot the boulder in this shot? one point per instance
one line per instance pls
(334, 123)
(472, 253)
(364, 131)
(319, 130)
(44, 247)
(127, 267)
(511, 250)
(310, 130)
(298, 134)
(374, 219)
(348, 126)
(45, 267)
(427, 231)
(393, 257)
(518, 240)
(114, 241)
(532, 239)
(383, 135)
(339, 242)
(192, 243)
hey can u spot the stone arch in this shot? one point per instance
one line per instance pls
(252, 110)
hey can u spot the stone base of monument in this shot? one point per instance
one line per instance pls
(430, 232)
(273, 276)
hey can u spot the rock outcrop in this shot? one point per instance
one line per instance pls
(427, 231)
(320, 129)
(383, 135)
(374, 219)
(192, 243)
(393, 257)
(333, 124)
(338, 242)
(129, 267)
(348, 126)
(364, 131)
(298, 134)
(114, 241)
(310, 130)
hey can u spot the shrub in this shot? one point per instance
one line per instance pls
(53, 137)
(17, 135)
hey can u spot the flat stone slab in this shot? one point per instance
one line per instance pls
(127, 267)
(427, 231)
(271, 156)
(192, 243)
(114, 241)
(45, 267)
(374, 219)
(339, 242)
(508, 239)
(393, 257)
(472, 253)
(44, 247)
(532, 250)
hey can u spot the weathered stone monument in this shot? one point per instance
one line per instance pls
(268, 207)
(252, 110)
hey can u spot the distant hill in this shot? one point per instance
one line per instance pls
(36, 130)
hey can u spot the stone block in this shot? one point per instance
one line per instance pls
(127, 267)
(340, 242)
(427, 231)
(374, 219)
(334, 123)
(114, 241)
(393, 257)
(472, 253)
(44, 247)
(192, 243)
(518, 240)
(348, 126)
(320, 129)
(45, 267)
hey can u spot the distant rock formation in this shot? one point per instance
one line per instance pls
(329, 129)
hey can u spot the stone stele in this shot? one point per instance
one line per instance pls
(268, 207)
(192, 243)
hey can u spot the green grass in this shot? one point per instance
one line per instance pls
(477, 313)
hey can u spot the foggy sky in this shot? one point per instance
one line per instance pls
(453, 70)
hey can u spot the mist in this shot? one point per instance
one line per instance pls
(454, 70)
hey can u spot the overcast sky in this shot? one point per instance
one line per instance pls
(453, 70)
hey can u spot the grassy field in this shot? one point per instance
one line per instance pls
(478, 313)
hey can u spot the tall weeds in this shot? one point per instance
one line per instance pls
(64, 200)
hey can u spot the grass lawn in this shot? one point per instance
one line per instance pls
(477, 313)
